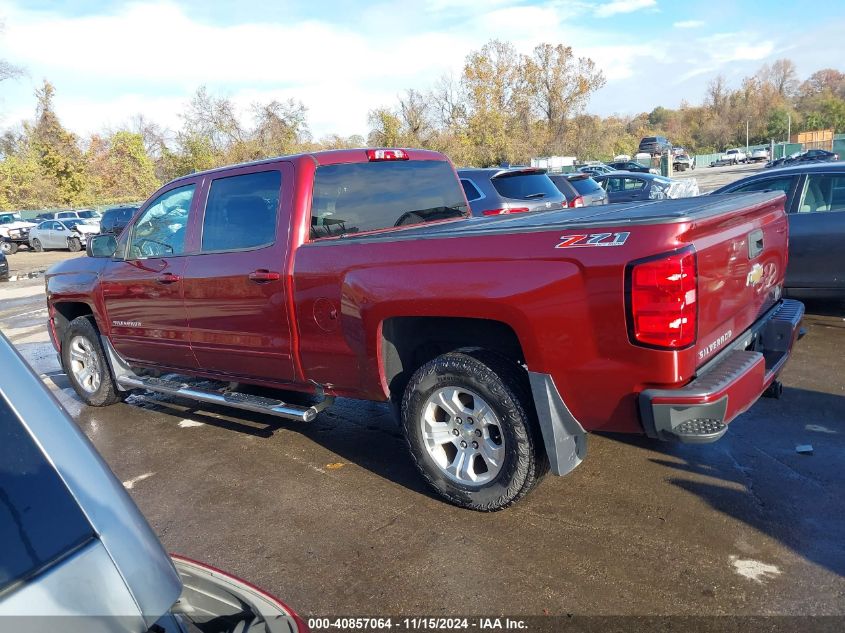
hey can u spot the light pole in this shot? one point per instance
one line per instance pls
(746, 137)
(788, 127)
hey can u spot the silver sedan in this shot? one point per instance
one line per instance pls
(70, 234)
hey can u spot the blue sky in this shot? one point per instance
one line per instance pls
(112, 60)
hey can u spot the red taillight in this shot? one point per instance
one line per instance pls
(386, 154)
(576, 202)
(505, 211)
(663, 306)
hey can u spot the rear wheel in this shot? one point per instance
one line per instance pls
(84, 361)
(74, 244)
(469, 422)
(36, 245)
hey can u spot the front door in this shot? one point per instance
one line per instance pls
(816, 226)
(235, 287)
(142, 286)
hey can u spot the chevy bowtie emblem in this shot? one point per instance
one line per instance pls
(754, 276)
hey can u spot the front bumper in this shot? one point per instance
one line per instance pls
(728, 385)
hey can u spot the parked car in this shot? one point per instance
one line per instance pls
(71, 234)
(783, 161)
(45, 216)
(580, 189)
(4, 268)
(500, 191)
(626, 186)
(734, 157)
(654, 145)
(90, 216)
(814, 156)
(77, 553)
(816, 210)
(682, 162)
(14, 232)
(596, 169)
(759, 155)
(360, 273)
(630, 165)
(115, 220)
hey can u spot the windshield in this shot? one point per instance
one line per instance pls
(355, 197)
(88, 214)
(526, 186)
(72, 223)
(8, 218)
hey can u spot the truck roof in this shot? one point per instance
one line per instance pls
(323, 157)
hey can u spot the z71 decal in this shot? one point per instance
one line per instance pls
(594, 239)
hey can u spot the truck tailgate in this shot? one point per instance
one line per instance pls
(741, 261)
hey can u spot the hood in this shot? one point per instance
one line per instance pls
(18, 225)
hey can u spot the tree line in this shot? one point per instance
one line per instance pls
(504, 106)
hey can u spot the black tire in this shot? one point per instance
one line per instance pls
(106, 394)
(74, 244)
(8, 248)
(503, 384)
(36, 245)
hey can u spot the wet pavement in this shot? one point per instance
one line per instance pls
(332, 517)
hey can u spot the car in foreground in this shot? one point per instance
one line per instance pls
(62, 234)
(77, 553)
(4, 268)
(115, 220)
(633, 187)
(580, 189)
(361, 273)
(654, 145)
(815, 208)
(630, 165)
(499, 191)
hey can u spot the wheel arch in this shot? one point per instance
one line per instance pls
(66, 311)
(408, 342)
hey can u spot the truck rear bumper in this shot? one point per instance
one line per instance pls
(728, 385)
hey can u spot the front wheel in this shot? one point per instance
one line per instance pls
(36, 246)
(469, 422)
(74, 244)
(8, 248)
(84, 361)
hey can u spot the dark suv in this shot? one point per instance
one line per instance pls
(115, 220)
(654, 145)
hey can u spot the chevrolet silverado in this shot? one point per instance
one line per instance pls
(501, 341)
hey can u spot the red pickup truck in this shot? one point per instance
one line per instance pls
(501, 340)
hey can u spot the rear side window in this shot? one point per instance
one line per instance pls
(525, 186)
(585, 185)
(39, 519)
(470, 190)
(241, 212)
(564, 186)
(356, 197)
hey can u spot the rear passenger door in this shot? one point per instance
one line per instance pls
(235, 287)
(816, 230)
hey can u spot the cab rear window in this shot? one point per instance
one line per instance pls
(352, 198)
(40, 521)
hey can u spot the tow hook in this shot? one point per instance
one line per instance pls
(774, 390)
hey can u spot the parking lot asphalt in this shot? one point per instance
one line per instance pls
(332, 517)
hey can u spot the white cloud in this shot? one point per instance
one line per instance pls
(689, 24)
(623, 6)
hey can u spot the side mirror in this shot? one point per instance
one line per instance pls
(101, 246)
